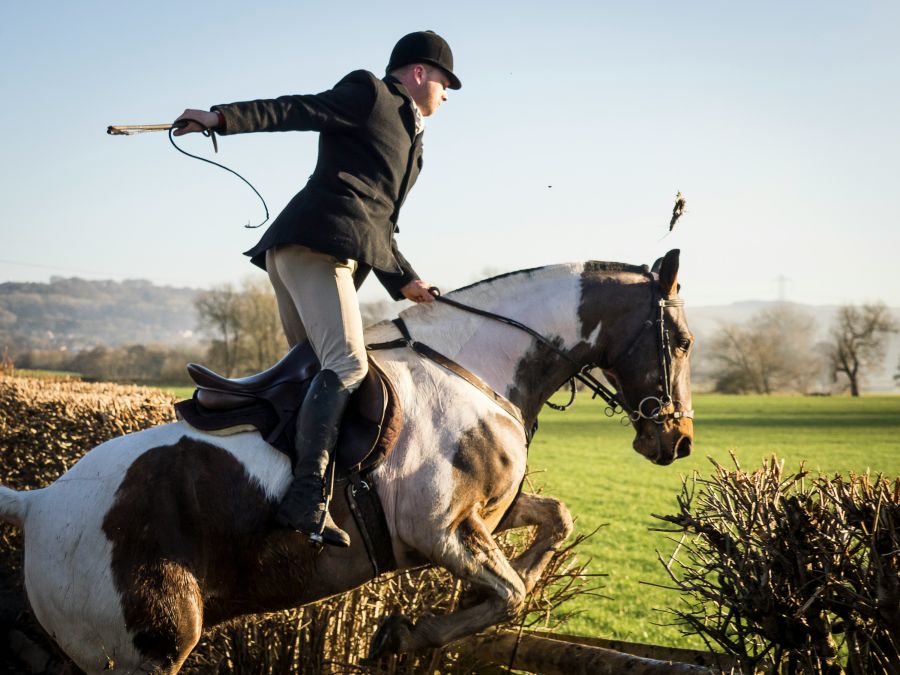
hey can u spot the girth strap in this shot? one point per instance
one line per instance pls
(449, 364)
(365, 505)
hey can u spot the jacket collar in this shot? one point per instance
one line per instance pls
(409, 117)
(398, 86)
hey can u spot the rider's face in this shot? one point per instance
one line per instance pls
(430, 89)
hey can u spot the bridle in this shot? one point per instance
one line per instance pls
(657, 320)
(658, 410)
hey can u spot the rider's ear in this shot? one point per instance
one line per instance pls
(668, 273)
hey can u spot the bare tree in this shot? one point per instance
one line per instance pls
(773, 351)
(245, 327)
(219, 313)
(263, 341)
(857, 341)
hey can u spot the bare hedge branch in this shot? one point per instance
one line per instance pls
(791, 572)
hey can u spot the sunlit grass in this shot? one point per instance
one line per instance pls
(180, 392)
(586, 460)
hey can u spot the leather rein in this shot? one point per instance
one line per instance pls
(615, 401)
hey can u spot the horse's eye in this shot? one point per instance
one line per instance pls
(685, 345)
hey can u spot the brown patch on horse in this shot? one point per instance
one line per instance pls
(482, 466)
(189, 527)
(595, 276)
(538, 374)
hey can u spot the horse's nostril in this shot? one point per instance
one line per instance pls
(683, 449)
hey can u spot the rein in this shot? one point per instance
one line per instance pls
(583, 375)
(615, 402)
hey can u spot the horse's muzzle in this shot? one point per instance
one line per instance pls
(664, 443)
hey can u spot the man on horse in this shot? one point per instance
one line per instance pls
(336, 230)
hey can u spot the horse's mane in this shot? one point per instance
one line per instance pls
(615, 267)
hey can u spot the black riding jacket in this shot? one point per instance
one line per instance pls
(369, 158)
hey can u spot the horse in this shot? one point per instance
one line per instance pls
(152, 537)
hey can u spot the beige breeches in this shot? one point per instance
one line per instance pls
(317, 302)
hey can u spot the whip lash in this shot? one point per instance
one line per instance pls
(134, 129)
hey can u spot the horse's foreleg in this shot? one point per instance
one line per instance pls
(554, 525)
(470, 553)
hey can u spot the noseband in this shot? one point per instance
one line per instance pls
(615, 401)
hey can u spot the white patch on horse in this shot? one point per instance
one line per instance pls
(491, 349)
(426, 476)
(595, 334)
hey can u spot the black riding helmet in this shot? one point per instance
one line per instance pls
(424, 46)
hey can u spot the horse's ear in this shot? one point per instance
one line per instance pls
(668, 273)
(655, 268)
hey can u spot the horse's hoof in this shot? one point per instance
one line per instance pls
(394, 635)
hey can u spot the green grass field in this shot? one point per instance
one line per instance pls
(180, 392)
(586, 460)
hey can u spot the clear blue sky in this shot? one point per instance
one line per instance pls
(780, 122)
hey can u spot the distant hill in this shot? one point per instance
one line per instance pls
(75, 314)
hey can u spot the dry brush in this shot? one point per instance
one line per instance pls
(793, 573)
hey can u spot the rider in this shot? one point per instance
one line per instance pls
(339, 227)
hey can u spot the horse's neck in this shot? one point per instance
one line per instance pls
(509, 360)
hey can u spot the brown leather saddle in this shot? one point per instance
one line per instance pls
(269, 402)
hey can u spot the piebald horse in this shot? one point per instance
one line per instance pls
(152, 537)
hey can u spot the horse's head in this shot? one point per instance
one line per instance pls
(645, 354)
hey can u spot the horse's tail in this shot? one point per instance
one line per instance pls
(13, 506)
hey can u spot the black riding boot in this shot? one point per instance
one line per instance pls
(304, 506)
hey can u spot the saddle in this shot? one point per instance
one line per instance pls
(270, 401)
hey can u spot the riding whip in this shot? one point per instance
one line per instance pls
(132, 129)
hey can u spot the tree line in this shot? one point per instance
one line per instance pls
(242, 330)
(776, 351)
(137, 364)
